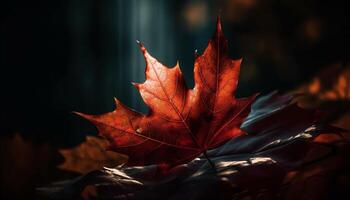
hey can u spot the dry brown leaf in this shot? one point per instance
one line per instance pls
(90, 155)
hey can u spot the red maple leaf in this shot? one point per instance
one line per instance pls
(182, 123)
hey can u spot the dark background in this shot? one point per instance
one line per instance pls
(58, 56)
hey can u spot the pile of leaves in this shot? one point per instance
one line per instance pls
(205, 143)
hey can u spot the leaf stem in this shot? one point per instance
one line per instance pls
(208, 159)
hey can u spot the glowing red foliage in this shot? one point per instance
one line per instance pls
(182, 123)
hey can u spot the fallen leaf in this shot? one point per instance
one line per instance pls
(182, 123)
(90, 155)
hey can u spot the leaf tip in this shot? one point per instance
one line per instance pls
(196, 53)
(116, 101)
(76, 113)
(136, 85)
(142, 47)
(81, 114)
(218, 25)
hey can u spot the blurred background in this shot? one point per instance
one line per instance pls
(60, 56)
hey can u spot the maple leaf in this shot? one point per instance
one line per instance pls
(90, 155)
(182, 123)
